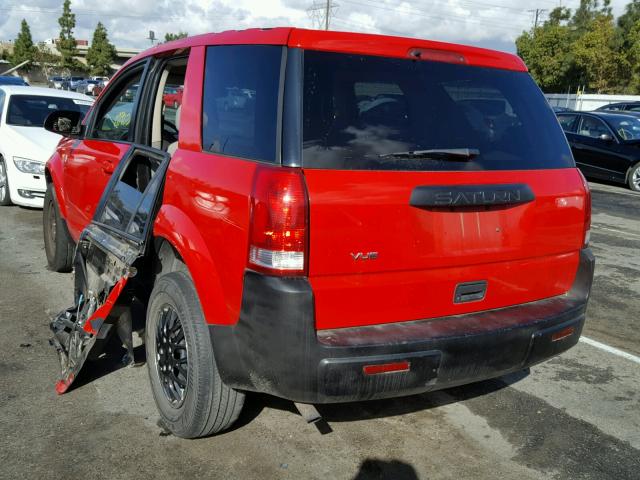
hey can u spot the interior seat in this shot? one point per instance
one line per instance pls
(171, 149)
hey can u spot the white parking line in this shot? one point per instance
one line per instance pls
(607, 348)
(619, 191)
(615, 230)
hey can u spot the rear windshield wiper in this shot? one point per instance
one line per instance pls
(459, 154)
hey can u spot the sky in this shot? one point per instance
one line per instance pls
(486, 23)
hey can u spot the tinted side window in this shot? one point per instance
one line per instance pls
(568, 122)
(240, 102)
(593, 127)
(127, 201)
(114, 119)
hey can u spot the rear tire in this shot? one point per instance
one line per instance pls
(57, 242)
(634, 178)
(189, 393)
(5, 195)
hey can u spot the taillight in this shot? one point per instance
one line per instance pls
(587, 211)
(279, 211)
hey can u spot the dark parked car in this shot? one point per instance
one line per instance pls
(8, 80)
(559, 109)
(621, 106)
(605, 145)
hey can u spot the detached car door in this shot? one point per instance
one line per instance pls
(90, 161)
(107, 255)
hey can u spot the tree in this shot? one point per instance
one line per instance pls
(597, 55)
(66, 43)
(546, 53)
(101, 54)
(586, 13)
(168, 37)
(627, 21)
(23, 48)
(632, 55)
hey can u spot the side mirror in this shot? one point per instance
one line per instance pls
(605, 137)
(64, 122)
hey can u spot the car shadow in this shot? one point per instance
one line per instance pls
(255, 403)
(373, 468)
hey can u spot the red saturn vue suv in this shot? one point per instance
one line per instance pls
(328, 217)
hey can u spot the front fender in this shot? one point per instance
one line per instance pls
(177, 228)
(54, 174)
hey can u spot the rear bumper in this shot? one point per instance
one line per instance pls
(274, 348)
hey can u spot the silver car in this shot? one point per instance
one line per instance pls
(86, 86)
(59, 83)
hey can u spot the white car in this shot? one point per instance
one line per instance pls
(25, 146)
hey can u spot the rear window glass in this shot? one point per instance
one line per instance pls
(32, 110)
(240, 101)
(359, 111)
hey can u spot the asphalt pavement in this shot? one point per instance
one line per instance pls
(576, 416)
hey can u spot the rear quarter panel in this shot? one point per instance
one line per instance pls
(205, 208)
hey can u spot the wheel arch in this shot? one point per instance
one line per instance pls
(633, 165)
(53, 175)
(173, 228)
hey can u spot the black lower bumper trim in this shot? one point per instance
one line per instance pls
(274, 348)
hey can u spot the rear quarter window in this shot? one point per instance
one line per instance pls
(357, 110)
(240, 101)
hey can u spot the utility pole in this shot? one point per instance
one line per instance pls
(321, 12)
(326, 15)
(537, 14)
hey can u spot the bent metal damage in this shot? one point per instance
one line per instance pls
(100, 279)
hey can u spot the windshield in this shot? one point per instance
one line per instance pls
(360, 110)
(626, 126)
(32, 110)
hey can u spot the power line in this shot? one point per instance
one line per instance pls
(418, 7)
(321, 12)
(454, 18)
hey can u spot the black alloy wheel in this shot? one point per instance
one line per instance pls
(172, 358)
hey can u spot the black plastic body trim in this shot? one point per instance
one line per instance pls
(455, 196)
(292, 110)
(274, 348)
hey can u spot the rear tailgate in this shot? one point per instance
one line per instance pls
(375, 129)
(524, 252)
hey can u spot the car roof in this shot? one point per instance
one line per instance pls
(344, 42)
(618, 104)
(39, 91)
(607, 115)
(12, 78)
